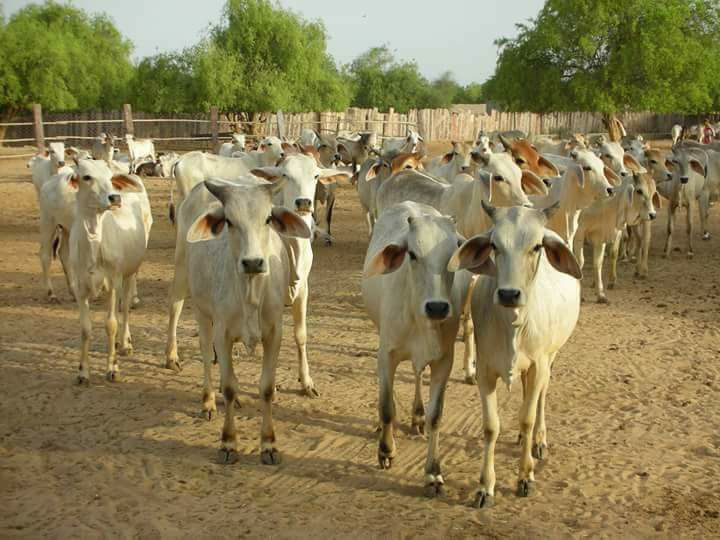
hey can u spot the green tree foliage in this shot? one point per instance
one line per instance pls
(63, 58)
(609, 56)
(164, 83)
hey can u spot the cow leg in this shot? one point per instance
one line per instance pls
(64, 253)
(299, 312)
(135, 299)
(223, 347)
(540, 446)
(641, 269)
(439, 375)
(537, 375)
(487, 384)
(578, 249)
(83, 377)
(670, 227)
(329, 206)
(689, 222)
(111, 373)
(209, 409)
(269, 454)
(417, 426)
(370, 223)
(598, 256)
(387, 365)
(47, 235)
(176, 299)
(614, 253)
(126, 347)
(704, 209)
(469, 360)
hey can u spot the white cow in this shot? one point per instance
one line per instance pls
(108, 239)
(409, 295)
(46, 164)
(309, 137)
(139, 149)
(103, 148)
(237, 144)
(410, 143)
(676, 133)
(235, 265)
(448, 165)
(300, 174)
(525, 307)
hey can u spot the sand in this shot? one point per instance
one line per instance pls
(633, 413)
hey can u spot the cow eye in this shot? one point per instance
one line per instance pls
(639, 192)
(519, 161)
(587, 169)
(413, 257)
(229, 224)
(268, 220)
(537, 248)
(87, 177)
(317, 176)
(498, 178)
(493, 246)
(653, 161)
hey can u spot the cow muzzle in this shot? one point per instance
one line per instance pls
(509, 297)
(437, 310)
(114, 201)
(303, 205)
(253, 266)
(684, 179)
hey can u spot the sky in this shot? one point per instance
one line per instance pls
(450, 35)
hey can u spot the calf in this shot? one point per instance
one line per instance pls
(449, 165)
(354, 151)
(411, 143)
(108, 239)
(605, 221)
(46, 164)
(103, 148)
(676, 133)
(409, 296)
(525, 307)
(527, 158)
(236, 268)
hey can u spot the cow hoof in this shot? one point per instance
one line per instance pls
(328, 242)
(470, 379)
(384, 461)
(690, 255)
(112, 376)
(82, 380)
(706, 236)
(126, 351)
(539, 451)
(227, 456)
(52, 299)
(602, 300)
(135, 302)
(208, 414)
(309, 391)
(525, 488)
(173, 364)
(418, 428)
(611, 285)
(483, 500)
(434, 489)
(270, 456)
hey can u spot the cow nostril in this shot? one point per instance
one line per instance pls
(610, 191)
(509, 297)
(684, 179)
(303, 203)
(653, 215)
(253, 266)
(437, 310)
(623, 173)
(61, 163)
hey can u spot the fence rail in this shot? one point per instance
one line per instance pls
(207, 129)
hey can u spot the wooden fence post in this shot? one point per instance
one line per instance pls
(280, 123)
(127, 119)
(38, 123)
(214, 131)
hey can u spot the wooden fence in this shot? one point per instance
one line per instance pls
(206, 130)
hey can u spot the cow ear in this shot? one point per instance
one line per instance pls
(577, 174)
(127, 183)
(486, 180)
(208, 226)
(288, 223)
(447, 158)
(331, 176)
(74, 180)
(657, 201)
(560, 256)
(669, 165)
(611, 177)
(268, 173)
(631, 163)
(532, 184)
(696, 166)
(387, 260)
(546, 168)
(474, 255)
(373, 171)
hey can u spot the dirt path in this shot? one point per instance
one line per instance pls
(633, 413)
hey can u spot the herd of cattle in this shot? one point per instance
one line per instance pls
(491, 240)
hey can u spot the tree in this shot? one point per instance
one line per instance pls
(609, 56)
(62, 58)
(164, 83)
(262, 57)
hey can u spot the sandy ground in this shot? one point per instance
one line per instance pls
(633, 413)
